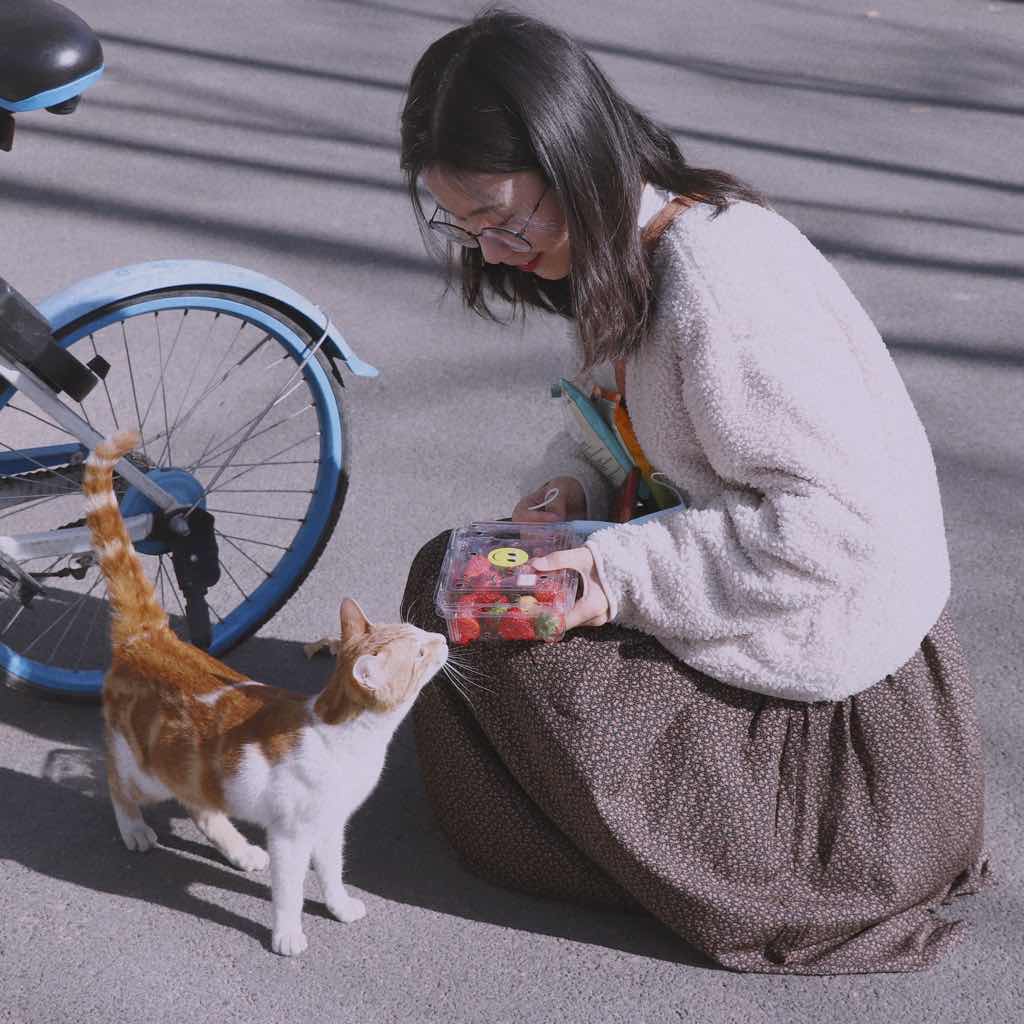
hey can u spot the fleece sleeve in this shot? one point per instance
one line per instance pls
(781, 413)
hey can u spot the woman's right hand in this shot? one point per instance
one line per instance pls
(570, 503)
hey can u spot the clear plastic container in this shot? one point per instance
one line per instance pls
(487, 591)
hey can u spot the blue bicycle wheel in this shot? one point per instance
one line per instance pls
(233, 414)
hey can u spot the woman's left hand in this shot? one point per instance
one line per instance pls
(592, 607)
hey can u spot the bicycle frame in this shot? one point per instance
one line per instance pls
(75, 540)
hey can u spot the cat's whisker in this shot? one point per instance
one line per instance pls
(462, 693)
(468, 673)
(476, 686)
(407, 611)
(454, 673)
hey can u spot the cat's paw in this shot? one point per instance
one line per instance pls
(348, 909)
(249, 858)
(138, 836)
(288, 941)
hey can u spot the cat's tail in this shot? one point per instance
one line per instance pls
(135, 611)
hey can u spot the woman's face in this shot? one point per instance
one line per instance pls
(475, 201)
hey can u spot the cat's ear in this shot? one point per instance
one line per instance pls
(368, 671)
(354, 623)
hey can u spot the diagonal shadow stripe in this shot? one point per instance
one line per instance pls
(883, 166)
(739, 73)
(345, 137)
(958, 352)
(270, 238)
(252, 63)
(332, 177)
(903, 216)
(836, 248)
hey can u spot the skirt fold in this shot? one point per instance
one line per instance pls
(775, 836)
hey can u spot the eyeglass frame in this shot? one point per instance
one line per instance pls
(473, 238)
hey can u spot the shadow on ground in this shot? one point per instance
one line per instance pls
(59, 825)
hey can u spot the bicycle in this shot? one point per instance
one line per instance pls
(230, 377)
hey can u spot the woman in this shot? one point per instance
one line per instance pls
(765, 733)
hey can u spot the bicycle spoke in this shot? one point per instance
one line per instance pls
(60, 618)
(250, 540)
(244, 554)
(259, 490)
(85, 639)
(219, 383)
(196, 363)
(131, 377)
(85, 416)
(257, 515)
(264, 462)
(177, 596)
(113, 412)
(281, 395)
(222, 444)
(161, 385)
(259, 433)
(269, 461)
(14, 618)
(67, 629)
(32, 504)
(21, 607)
(40, 419)
(231, 576)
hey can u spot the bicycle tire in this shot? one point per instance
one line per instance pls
(328, 492)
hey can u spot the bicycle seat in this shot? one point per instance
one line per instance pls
(48, 55)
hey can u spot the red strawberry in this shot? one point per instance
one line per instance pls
(464, 628)
(548, 589)
(476, 566)
(515, 625)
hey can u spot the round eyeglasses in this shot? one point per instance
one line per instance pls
(515, 241)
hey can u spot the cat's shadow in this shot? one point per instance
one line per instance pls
(61, 826)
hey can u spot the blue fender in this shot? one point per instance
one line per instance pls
(93, 293)
(52, 97)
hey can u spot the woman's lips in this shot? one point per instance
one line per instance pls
(530, 266)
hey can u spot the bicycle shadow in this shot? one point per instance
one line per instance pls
(60, 825)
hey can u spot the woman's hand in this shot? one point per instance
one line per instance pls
(592, 607)
(570, 503)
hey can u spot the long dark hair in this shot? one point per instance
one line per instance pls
(508, 93)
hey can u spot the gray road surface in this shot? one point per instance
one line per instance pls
(264, 133)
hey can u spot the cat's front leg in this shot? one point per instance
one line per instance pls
(328, 861)
(289, 861)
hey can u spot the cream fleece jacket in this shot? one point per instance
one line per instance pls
(810, 559)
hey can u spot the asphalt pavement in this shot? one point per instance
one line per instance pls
(265, 133)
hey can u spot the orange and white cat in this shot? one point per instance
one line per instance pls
(181, 724)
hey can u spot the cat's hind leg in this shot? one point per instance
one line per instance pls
(236, 849)
(327, 862)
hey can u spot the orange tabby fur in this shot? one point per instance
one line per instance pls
(181, 723)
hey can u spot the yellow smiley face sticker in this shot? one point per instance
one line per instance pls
(508, 558)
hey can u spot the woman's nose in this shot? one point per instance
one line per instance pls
(492, 250)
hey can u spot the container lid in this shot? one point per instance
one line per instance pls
(493, 558)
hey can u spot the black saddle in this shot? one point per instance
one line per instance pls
(44, 47)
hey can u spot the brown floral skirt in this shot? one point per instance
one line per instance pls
(774, 835)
